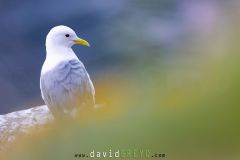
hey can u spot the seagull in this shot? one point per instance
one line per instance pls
(66, 87)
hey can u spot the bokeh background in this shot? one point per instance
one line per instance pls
(167, 71)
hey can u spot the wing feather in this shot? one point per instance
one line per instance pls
(67, 86)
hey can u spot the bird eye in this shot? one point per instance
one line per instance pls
(67, 35)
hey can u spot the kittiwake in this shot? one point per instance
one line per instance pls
(65, 84)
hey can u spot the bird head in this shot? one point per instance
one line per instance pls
(64, 36)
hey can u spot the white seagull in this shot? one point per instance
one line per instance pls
(65, 84)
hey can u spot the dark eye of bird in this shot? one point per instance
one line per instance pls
(67, 35)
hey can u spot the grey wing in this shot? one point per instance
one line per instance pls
(67, 87)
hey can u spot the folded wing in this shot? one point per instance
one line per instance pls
(67, 87)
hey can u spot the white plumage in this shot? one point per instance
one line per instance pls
(65, 84)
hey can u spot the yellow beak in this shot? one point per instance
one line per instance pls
(82, 42)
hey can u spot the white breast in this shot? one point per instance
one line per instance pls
(55, 56)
